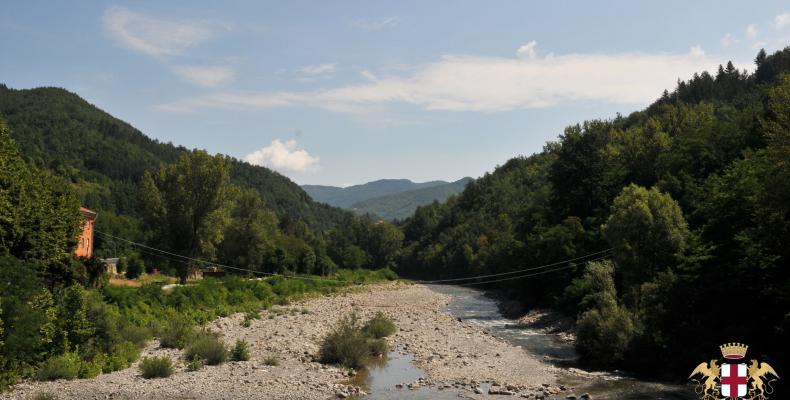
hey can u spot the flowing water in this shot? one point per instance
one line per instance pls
(471, 305)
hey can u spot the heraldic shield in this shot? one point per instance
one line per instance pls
(733, 380)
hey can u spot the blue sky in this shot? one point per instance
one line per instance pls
(351, 91)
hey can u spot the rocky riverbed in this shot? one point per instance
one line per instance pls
(452, 353)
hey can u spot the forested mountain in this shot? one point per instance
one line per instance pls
(345, 197)
(402, 204)
(692, 196)
(160, 194)
(106, 157)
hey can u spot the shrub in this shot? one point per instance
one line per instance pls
(379, 326)
(136, 334)
(246, 323)
(604, 335)
(92, 369)
(195, 364)
(377, 347)
(241, 351)
(44, 396)
(156, 367)
(346, 344)
(208, 347)
(271, 360)
(64, 366)
(176, 333)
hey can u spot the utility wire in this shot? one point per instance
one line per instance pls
(204, 262)
(199, 261)
(528, 275)
(517, 271)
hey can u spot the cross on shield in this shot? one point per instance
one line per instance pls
(734, 380)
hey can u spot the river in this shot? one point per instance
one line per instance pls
(472, 306)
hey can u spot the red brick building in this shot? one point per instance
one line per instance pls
(85, 242)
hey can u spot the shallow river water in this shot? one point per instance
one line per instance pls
(473, 306)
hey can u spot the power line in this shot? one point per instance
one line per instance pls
(517, 271)
(183, 258)
(197, 260)
(528, 275)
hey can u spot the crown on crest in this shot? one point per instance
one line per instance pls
(733, 350)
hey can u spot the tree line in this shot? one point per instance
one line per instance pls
(691, 194)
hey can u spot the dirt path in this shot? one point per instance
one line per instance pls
(451, 353)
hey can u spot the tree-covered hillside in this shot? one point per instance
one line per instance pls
(106, 157)
(401, 205)
(347, 196)
(692, 195)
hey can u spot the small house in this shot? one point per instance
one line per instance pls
(110, 266)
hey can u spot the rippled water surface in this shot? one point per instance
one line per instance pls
(473, 306)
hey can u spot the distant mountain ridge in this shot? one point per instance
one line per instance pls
(386, 198)
(402, 205)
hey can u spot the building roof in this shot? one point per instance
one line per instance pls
(90, 214)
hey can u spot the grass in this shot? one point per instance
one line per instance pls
(271, 360)
(156, 367)
(64, 366)
(176, 333)
(350, 344)
(241, 351)
(195, 364)
(208, 347)
(379, 326)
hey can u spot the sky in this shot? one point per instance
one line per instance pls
(345, 92)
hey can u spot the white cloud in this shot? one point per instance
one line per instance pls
(751, 31)
(488, 84)
(283, 157)
(696, 51)
(759, 44)
(374, 24)
(319, 69)
(728, 40)
(782, 20)
(152, 36)
(527, 51)
(208, 76)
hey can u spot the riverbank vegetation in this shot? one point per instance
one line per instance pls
(59, 317)
(691, 195)
(351, 343)
(687, 199)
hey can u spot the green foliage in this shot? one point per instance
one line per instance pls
(39, 213)
(156, 367)
(647, 231)
(691, 194)
(346, 344)
(240, 351)
(350, 343)
(603, 335)
(377, 347)
(64, 366)
(197, 179)
(195, 363)
(177, 332)
(379, 326)
(135, 265)
(401, 205)
(208, 347)
(594, 289)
